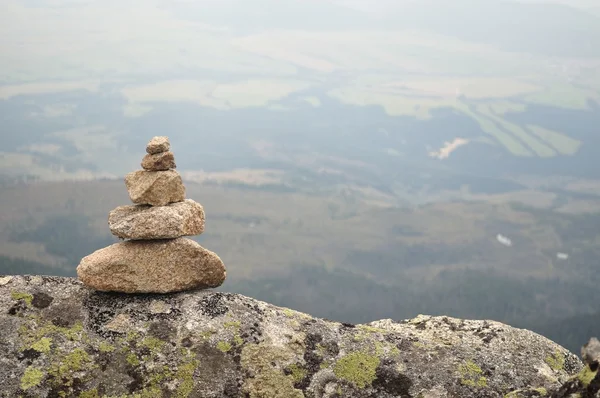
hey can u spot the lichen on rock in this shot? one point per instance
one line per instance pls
(358, 368)
(62, 339)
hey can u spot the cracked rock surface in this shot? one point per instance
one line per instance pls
(60, 338)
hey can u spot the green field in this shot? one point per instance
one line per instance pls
(161, 57)
(561, 142)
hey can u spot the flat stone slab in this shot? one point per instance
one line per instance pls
(156, 188)
(159, 161)
(157, 222)
(158, 144)
(158, 266)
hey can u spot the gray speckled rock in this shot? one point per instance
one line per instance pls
(59, 338)
(157, 222)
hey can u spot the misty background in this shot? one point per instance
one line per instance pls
(356, 159)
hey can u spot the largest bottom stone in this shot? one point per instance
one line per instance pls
(158, 266)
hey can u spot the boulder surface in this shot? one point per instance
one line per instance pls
(159, 161)
(158, 144)
(157, 222)
(156, 188)
(60, 338)
(152, 266)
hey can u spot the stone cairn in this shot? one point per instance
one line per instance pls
(155, 257)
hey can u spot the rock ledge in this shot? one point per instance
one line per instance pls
(60, 338)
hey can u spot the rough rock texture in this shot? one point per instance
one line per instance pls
(159, 161)
(590, 353)
(156, 188)
(158, 144)
(152, 266)
(587, 383)
(161, 222)
(60, 338)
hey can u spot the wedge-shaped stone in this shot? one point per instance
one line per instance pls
(158, 145)
(159, 161)
(157, 222)
(156, 188)
(157, 266)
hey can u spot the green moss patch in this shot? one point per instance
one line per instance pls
(237, 339)
(224, 346)
(31, 378)
(38, 329)
(66, 365)
(358, 368)
(133, 360)
(153, 344)
(298, 372)
(42, 345)
(586, 375)
(556, 361)
(105, 347)
(185, 375)
(232, 324)
(471, 375)
(22, 296)
(289, 313)
(267, 364)
(90, 394)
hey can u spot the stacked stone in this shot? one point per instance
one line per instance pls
(155, 256)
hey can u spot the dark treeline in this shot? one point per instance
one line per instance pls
(69, 237)
(539, 305)
(19, 266)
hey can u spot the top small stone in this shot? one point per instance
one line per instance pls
(158, 144)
